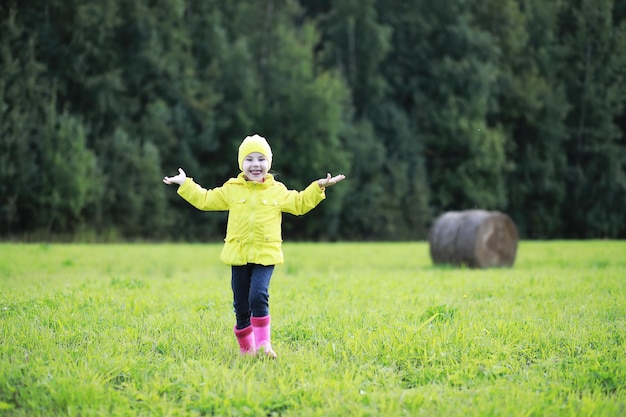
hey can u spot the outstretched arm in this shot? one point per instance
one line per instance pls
(301, 202)
(202, 199)
(177, 179)
(330, 180)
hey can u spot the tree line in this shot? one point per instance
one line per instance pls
(510, 105)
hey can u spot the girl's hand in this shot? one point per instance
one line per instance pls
(178, 179)
(329, 180)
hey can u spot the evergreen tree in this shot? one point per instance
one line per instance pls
(127, 69)
(136, 203)
(68, 179)
(530, 104)
(23, 98)
(388, 196)
(515, 105)
(269, 85)
(442, 72)
(596, 88)
(170, 113)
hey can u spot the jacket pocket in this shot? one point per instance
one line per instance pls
(237, 215)
(233, 252)
(270, 215)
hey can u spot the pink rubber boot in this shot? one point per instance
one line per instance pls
(245, 338)
(261, 327)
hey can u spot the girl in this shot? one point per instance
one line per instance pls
(255, 202)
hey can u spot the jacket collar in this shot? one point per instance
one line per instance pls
(241, 179)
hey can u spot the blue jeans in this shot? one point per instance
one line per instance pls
(250, 284)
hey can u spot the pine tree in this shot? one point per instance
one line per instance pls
(388, 196)
(596, 89)
(68, 179)
(23, 97)
(442, 72)
(530, 104)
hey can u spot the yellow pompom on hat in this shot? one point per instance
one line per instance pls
(254, 143)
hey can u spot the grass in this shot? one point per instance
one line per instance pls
(361, 329)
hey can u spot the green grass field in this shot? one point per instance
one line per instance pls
(369, 329)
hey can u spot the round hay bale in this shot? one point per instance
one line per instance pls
(475, 238)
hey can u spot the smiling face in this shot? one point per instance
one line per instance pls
(255, 166)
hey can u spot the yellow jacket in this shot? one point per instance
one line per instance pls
(253, 233)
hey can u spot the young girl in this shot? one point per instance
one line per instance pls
(255, 202)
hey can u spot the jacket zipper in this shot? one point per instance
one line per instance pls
(251, 221)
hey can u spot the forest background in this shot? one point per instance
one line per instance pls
(510, 105)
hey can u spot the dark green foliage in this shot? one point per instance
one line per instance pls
(596, 175)
(531, 106)
(515, 105)
(388, 175)
(68, 180)
(443, 70)
(24, 97)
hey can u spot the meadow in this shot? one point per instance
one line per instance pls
(360, 329)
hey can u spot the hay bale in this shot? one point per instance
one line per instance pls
(475, 238)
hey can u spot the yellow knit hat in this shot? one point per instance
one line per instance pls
(254, 143)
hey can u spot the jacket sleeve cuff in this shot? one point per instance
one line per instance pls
(185, 185)
(320, 190)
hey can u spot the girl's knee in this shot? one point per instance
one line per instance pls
(259, 301)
